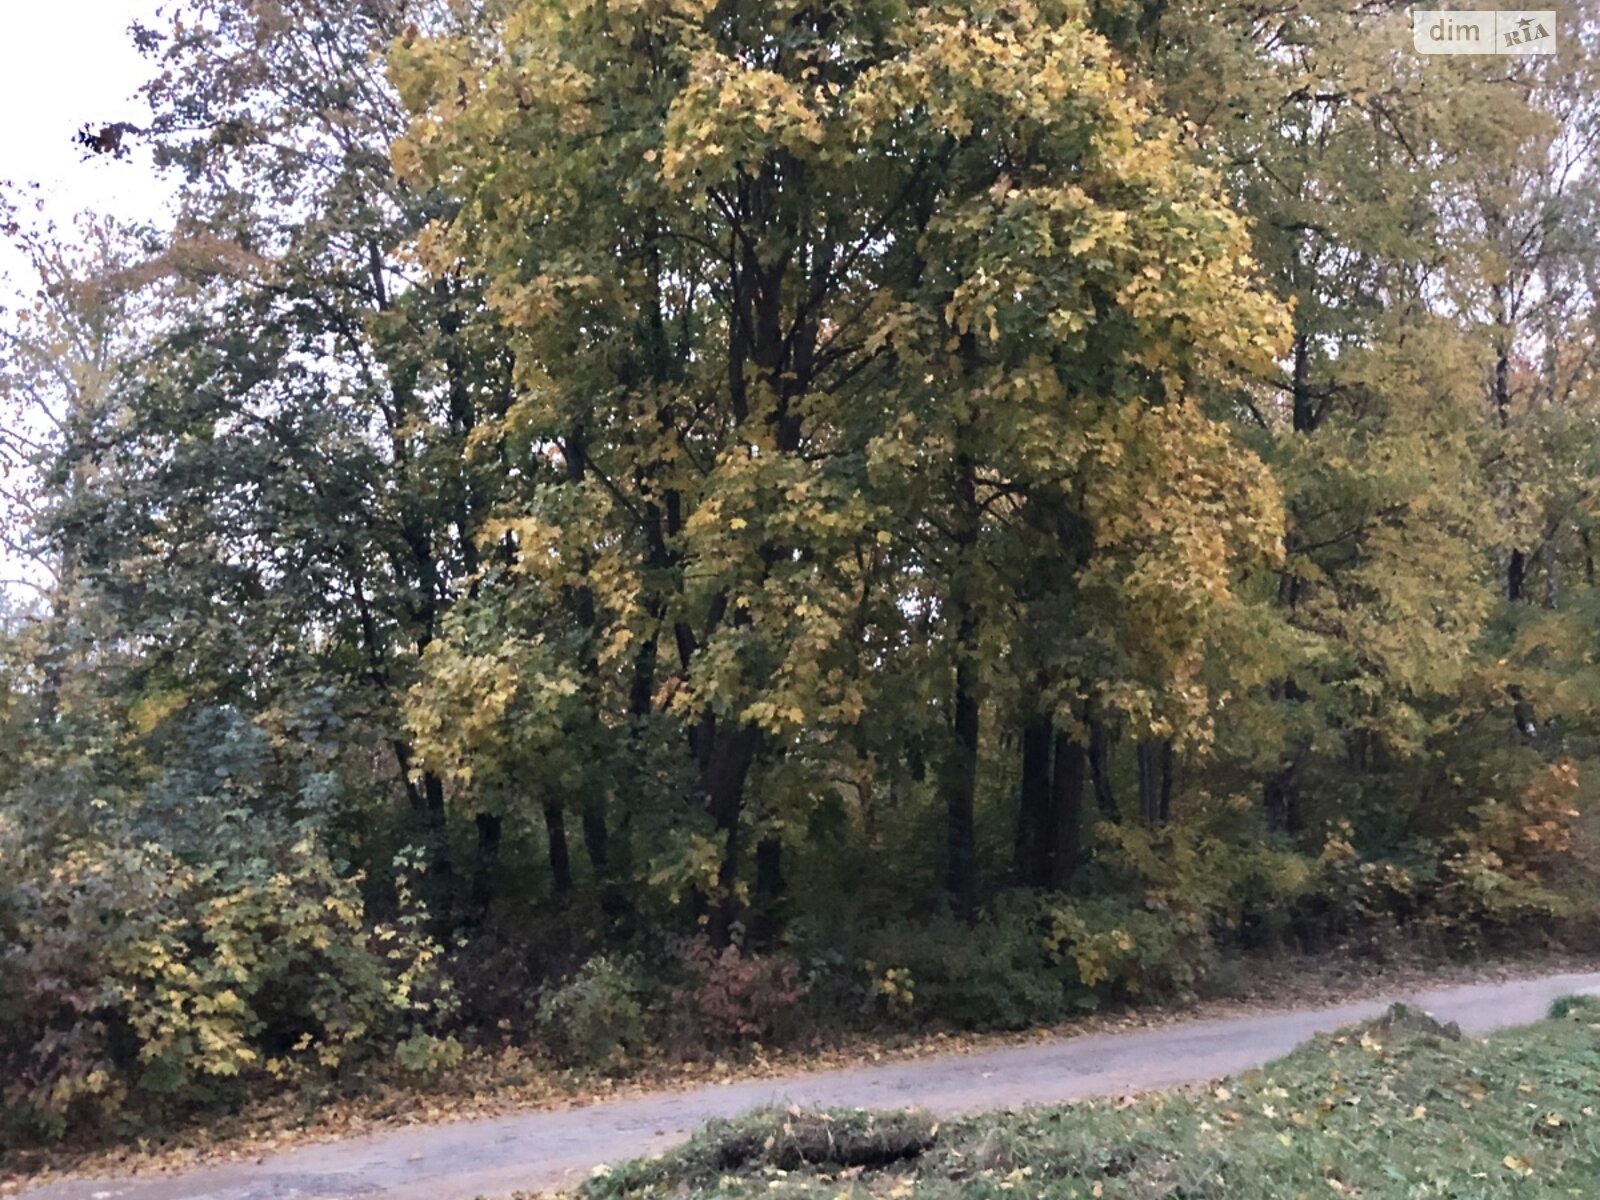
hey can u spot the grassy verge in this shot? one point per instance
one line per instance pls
(1399, 1108)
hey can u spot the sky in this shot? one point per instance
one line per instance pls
(64, 63)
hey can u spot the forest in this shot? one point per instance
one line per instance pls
(637, 529)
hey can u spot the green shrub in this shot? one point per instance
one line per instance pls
(1031, 959)
(137, 982)
(1497, 874)
(427, 1054)
(1358, 903)
(143, 977)
(595, 1018)
(1494, 875)
(1213, 870)
(994, 974)
(1575, 1008)
(1108, 948)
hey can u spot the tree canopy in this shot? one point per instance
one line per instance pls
(627, 522)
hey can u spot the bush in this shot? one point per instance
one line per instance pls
(1575, 1008)
(164, 946)
(1111, 949)
(136, 982)
(1214, 872)
(1494, 875)
(1031, 959)
(734, 996)
(991, 975)
(595, 1019)
(493, 974)
(1490, 877)
(1362, 904)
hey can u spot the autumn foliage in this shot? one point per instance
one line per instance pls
(641, 527)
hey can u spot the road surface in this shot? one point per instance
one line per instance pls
(544, 1151)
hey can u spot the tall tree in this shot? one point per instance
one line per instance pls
(290, 506)
(836, 296)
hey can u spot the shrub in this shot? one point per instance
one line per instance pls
(1575, 1008)
(1491, 876)
(428, 1054)
(137, 982)
(733, 995)
(1214, 871)
(1359, 903)
(493, 975)
(1494, 875)
(594, 1018)
(1031, 958)
(991, 975)
(1532, 829)
(1109, 948)
(895, 988)
(167, 940)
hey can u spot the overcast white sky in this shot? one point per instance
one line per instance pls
(64, 63)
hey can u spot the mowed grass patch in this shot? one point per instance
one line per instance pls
(1400, 1107)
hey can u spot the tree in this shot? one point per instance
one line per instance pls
(288, 507)
(821, 306)
(1354, 155)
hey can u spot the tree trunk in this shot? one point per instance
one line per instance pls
(959, 772)
(432, 799)
(1066, 793)
(1167, 765)
(596, 838)
(595, 835)
(1146, 755)
(1516, 560)
(1155, 780)
(1305, 416)
(1100, 770)
(1281, 795)
(960, 785)
(489, 828)
(555, 824)
(768, 921)
(1035, 841)
(441, 893)
(726, 756)
(616, 900)
(1280, 791)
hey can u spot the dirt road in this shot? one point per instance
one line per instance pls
(550, 1150)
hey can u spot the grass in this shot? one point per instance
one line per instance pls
(1400, 1108)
